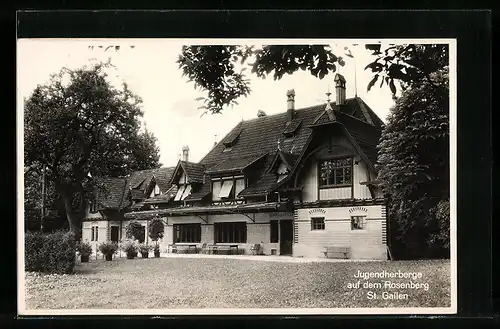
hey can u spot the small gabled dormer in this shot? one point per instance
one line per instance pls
(282, 164)
(232, 138)
(153, 188)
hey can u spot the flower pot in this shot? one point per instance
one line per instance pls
(144, 254)
(84, 258)
(157, 254)
(109, 257)
(131, 256)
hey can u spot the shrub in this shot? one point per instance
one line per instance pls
(129, 247)
(156, 229)
(135, 230)
(84, 248)
(50, 253)
(144, 248)
(33, 243)
(108, 248)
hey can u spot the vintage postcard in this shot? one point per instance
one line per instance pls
(237, 176)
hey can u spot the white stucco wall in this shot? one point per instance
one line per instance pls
(368, 243)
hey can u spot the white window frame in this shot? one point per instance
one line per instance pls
(358, 223)
(186, 192)
(313, 228)
(180, 191)
(227, 187)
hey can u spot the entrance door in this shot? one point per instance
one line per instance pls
(286, 237)
(114, 233)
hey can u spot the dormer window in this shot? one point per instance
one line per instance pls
(227, 188)
(183, 191)
(232, 138)
(156, 191)
(291, 128)
(282, 171)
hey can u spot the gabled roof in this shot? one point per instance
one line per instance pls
(141, 179)
(194, 171)
(111, 193)
(288, 159)
(234, 164)
(263, 134)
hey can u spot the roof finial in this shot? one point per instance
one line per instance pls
(328, 93)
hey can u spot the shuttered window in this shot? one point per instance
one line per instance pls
(179, 192)
(186, 192)
(226, 189)
(216, 186)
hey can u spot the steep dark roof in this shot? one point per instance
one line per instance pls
(204, 191)
(111, 192)
(234, 164)
(262, 135)
(141, 179)
(257, 140)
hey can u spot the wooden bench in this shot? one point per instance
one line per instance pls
(191, 248)
(337, 252)
(222, 249)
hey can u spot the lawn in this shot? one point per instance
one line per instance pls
(232, 283)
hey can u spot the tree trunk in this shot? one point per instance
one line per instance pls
(73, 220)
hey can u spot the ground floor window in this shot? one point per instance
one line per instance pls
(357, 222)
(187, 233)
(235, 232)
(94, 233)
(317, 223)
(274, 231)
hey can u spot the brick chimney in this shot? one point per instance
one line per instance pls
(185, 153)
(339, 89)
(290, 104)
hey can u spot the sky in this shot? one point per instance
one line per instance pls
(170, 110)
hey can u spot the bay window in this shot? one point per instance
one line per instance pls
(335, 172)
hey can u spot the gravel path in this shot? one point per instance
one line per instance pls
(166, 283)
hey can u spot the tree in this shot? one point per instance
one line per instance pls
(79, 126)
(135, 230)
(156, 229)
(414, 166)
(408, 64)
(218, 69)
(261, 113)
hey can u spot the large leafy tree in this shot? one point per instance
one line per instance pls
(79, 126)
(221, 70)
(408, 65)
(414, 166)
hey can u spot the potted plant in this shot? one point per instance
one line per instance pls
(85, 250)
(156, 231)
(157, 251)
(108, 249)
(145, 249)
(130, 248)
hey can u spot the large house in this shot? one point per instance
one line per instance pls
(296, 183)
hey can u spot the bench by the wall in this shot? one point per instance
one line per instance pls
(337, 252)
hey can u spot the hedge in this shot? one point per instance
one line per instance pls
(50, 253)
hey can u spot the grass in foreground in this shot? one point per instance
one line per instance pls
(166, 283)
